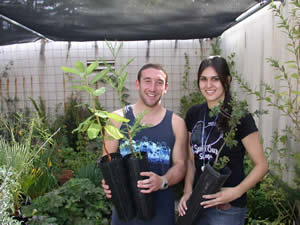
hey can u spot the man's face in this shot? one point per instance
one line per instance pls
(152, 86)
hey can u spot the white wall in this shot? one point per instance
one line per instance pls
(36, 69)
(253, 41)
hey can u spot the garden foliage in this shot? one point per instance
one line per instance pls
(77, 202)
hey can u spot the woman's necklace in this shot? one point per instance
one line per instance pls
(203, 144)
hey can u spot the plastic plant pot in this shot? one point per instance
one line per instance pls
(116, 176)
(144, 203)
(210, 182)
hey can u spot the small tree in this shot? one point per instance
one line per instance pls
(99, 123)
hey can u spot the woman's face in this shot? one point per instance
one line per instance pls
(211, 87)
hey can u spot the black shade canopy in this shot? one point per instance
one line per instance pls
(122, 20)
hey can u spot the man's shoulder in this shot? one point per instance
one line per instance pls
(176, 117)
(178, 123)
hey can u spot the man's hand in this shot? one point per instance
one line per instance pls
(153, 183)
(106, 189)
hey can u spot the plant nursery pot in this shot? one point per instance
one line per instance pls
(116, 176)
(64, 176)
(210, 182)
(144, 203)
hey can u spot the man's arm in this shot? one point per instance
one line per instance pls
(179, 156)
(176, 173)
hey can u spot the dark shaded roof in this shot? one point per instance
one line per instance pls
(89, 20)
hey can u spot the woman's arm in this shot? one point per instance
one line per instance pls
(188, 180)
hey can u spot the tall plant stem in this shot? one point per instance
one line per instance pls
(99, 123)
(129, 134)
(219, 152)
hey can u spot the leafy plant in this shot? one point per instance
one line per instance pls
(238, 111)
(78, 201)
(189, 98)
(73, 115)
(267, 194)
(285, 99)
(98, 122)
(41, 109)
(117, 80)
(216, 50)
(21, 155)
(90, 171)
(8, 186)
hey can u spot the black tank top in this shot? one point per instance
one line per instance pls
(157, 141)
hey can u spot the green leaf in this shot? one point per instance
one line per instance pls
(292, 66)
(77, 81)
(291, 61)
(99, 76)
(285, 93)
(83, 88)
(278, 77)
(114, 132)
(92, 67)
(127, 64)
(283, 139)
(118, 118)
(268, 99)
(121, 81)
(93, 130)
(99, 91)
(80, 66)
(83, 125)
(296, 92)
(102, 114)
(70, 70)
(295, 75)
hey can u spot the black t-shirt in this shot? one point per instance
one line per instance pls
(206, 140)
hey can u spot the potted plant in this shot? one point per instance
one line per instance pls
(127, 198)
(214, 176)
(112, 164)
(136, 161)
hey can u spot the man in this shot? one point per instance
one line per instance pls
(167, 135)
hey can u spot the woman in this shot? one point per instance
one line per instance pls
(228, 206)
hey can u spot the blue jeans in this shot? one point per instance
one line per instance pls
(214, 216)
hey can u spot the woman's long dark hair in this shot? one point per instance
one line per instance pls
(221, 67)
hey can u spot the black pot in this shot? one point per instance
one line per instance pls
(115, 175)
(210, 182)
(144, 203)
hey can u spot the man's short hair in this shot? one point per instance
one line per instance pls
(154, 66)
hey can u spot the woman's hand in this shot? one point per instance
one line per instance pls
(223, 197)
(106, 189)
(182, 203)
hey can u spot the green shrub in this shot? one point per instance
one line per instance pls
(77, 202)
(90, 171)
(8, 186)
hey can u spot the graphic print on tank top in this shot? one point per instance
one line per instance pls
(206, 141)
(158, 153)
